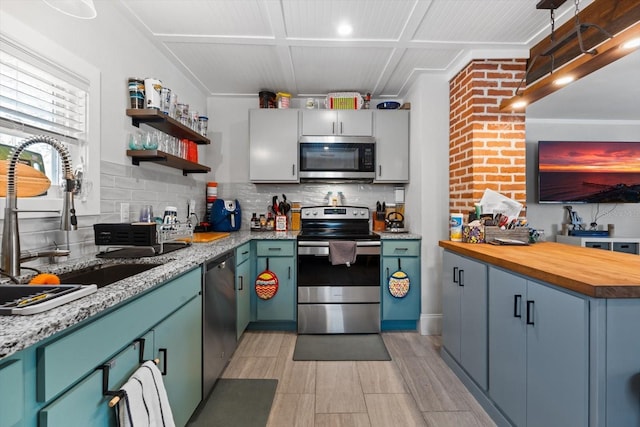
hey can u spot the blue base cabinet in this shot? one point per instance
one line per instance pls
(280, 257)
(464, 314)
(538, 346)
(400, 313)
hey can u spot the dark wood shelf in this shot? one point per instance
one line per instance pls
(166, 124)
(166, 159)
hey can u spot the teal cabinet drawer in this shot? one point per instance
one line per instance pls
(11, 393)
(271, 248)
(63, 361)
(84, 404)
(243, 253)
(400, 248)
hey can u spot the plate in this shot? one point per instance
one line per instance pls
(388, 105)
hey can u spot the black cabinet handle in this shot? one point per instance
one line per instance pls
(245, 252)
(530, 313)
(517, 312)
(289, 272)
(460, 277)
(241, 283)
(387, 274)
(164, 358)
(455, 274)
(379, 170)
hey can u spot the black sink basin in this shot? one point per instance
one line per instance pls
(104, 274)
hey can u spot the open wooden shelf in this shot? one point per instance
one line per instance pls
(166, 124)
(166, 159)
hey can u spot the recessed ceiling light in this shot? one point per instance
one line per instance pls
(563, 80)
(344, 29)
(632, 44)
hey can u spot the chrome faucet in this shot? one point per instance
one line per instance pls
(11, 255)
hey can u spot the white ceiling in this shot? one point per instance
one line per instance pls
(239, 47)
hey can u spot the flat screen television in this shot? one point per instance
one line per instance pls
(588, 172)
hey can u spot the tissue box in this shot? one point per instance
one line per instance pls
(518, 233)
(473, 234)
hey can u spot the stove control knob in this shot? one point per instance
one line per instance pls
(306, 213)
(355, 212)
(315, 212)
(363, 213)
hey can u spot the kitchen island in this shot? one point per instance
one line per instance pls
(544, 334)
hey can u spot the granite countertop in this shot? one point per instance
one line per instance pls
(19, 332)
(589, 271)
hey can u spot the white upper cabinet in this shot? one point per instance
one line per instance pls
(337, 122)
(273, 145)
(392, 145)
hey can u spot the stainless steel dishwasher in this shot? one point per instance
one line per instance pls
(219, 318)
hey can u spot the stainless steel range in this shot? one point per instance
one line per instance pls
(338, 298)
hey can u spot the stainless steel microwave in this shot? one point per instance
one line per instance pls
(336, 158)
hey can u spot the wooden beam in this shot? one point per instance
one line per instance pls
(608, 52)
(613, 16)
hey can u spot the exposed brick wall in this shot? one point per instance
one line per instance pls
(486, 146)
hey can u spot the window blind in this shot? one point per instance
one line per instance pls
(37, 94)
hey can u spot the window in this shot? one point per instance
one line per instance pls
(48, 90)
(37, 97)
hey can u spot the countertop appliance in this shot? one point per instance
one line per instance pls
(337, 158)
(218, 318)
(225, 215)
(337, 299)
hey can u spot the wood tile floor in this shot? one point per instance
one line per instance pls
(415, 388)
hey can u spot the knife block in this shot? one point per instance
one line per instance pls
(378, 222)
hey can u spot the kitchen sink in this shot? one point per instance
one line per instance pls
(104, 274)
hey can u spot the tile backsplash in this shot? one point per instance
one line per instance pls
(158, 186)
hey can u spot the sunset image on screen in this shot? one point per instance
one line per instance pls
(589, 172)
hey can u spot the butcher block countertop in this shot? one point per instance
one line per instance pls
(593, 272)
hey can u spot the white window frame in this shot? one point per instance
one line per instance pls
(43, 49)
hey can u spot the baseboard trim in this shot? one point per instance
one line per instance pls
(430, 324)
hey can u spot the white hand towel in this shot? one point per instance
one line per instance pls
(145, 402)
(342, 252)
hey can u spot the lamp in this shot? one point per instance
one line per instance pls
(83, 9)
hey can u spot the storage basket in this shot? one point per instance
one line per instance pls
(343, 101)
(518, 233)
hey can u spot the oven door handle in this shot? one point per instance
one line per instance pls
(323, 244)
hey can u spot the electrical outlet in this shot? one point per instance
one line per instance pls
(192, 207)
(124, 212)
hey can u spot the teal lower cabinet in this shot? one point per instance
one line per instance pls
(178, 345)
(243, 288)
(400, 265)
(12, 396)
(538, 352)
(59, 381)
(279, 257)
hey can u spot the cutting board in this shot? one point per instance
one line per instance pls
(209, 236)
(29, 181)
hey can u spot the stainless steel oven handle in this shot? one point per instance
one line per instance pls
(326, 244)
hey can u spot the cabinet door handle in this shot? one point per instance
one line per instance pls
(245, 252)
(455, 274)
(460, 277)
(517, 309)
(341, 131)
(289, 272)
(387, 274)
(293, 170)
(241, 283)
(275, 249)
(530, 313)
(379, 170)
(333, 127)
(164, 358)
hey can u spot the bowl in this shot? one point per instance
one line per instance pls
(388, 105)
